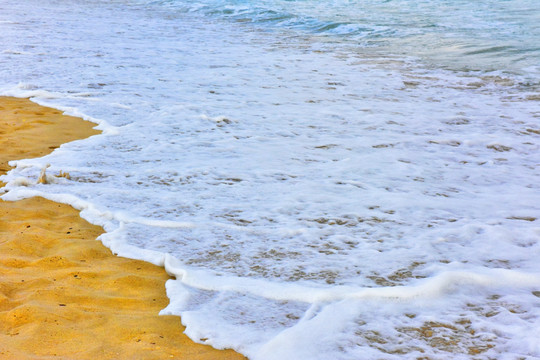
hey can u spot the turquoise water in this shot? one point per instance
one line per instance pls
(325, 179)
(457, 35)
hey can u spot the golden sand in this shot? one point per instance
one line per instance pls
(63, 295)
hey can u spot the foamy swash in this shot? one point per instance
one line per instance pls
(318, 192)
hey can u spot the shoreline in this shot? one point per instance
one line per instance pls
(63, 294)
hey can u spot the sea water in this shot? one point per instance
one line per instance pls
(346, 179)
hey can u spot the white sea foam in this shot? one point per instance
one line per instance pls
(313, 198)
(42, 97)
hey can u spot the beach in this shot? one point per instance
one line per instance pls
(64, 295)
(311, 179)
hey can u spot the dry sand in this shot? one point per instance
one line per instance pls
(62, 293)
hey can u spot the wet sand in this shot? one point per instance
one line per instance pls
(63, 295)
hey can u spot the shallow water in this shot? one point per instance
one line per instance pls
(337, 179)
